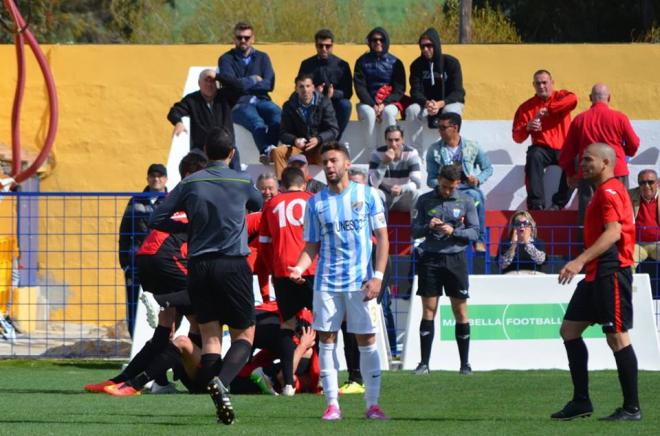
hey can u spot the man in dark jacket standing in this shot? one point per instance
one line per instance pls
(380, 83)
(436, 81)
(206, 108)
(332, 77)
(308, 121)
(250, 73)
(132, 231)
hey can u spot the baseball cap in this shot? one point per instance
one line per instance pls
(157, 168)
(298, 158)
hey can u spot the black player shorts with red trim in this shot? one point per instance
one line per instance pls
(437, 271)
(606, 301)
(160, 275)
(220, 289)
(292, 297)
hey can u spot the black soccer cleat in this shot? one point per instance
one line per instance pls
(621, 414)
(465, 370)
(220, 396)
(574, 409)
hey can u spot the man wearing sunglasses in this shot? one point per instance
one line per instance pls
(250, 73)
(380, 84)
(646, 206)
(332, 77)
(436, 81)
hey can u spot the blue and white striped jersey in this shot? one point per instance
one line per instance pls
(343, 224)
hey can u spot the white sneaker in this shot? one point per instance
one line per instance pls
(157, 389)
(153, 308)
(288, 391)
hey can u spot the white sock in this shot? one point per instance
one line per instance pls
(370, 369)
(327, 360)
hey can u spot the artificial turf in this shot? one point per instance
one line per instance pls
(39, 397)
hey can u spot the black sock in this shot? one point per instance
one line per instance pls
(195, 338)
(426, 332)
(138, 364)
(352, 355)
(626, 365)
(462, 333)
(161, 338)
(287, 348)
(578, 356)
(161, 379)
(139, 380)
(168, 358)
(235, 359)
(209, 367)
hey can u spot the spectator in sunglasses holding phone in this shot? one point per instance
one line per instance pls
(522, 253)
(646, 207)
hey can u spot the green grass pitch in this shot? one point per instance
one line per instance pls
(46, 397)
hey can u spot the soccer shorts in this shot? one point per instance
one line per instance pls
(292, 297)
(220, 289)
(330, 308)
(438, 271)
(606, 301)
(160, 275)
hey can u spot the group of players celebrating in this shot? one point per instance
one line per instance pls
(322, 256)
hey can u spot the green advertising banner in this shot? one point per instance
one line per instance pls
(511, 322)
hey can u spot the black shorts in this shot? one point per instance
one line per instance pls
(180, 300)
(160, 275)
(443, 271)
(606, 301)
(291, 297)
(220, 289)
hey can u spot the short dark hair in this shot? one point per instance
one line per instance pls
(324, 34)
(243, 25)
(336, 146)
(302, 77)
(393, 128)
(192, 162)
(542, 72)
(453, 118)
(292, 177)
(453, 172)
(219, 143)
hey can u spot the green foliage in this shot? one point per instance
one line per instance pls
(46, 397)
(204, 22)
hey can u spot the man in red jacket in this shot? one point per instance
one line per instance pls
(546, 118)
(598, 124)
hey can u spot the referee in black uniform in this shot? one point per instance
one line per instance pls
(219, 278)
(449, 222)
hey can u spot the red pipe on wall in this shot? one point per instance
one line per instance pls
(23, 34)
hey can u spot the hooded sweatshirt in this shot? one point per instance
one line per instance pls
(437, 79)
(374, 70)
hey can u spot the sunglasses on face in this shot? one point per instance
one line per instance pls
(647, 182)
(376, 40)
(443, 128)
(523, 224)
(326, 46)
(243, 37)
(423, 46)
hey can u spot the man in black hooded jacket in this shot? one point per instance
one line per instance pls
(380, 84)
(436, 81)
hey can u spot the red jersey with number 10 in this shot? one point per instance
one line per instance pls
(610, 203)
(281, 231)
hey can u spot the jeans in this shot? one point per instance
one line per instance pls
(539, 157)
(262, 119)
(343, 109)
(480, 204)
(366, 113)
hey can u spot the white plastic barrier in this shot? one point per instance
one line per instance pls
(515, 325)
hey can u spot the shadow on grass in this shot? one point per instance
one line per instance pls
(89, 365)
(114, 424)
(41, 391)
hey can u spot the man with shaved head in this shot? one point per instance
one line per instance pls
(206, 108)
(599, 123)
(604, 296)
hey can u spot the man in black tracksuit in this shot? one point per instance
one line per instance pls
(308, 122)
(448, 220)
(436, 81)
(206, 108)
(219, 278)
(332, 77)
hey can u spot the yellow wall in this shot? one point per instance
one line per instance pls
(114, 99)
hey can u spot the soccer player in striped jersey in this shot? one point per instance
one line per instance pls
(281, 241)
(339, 222)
